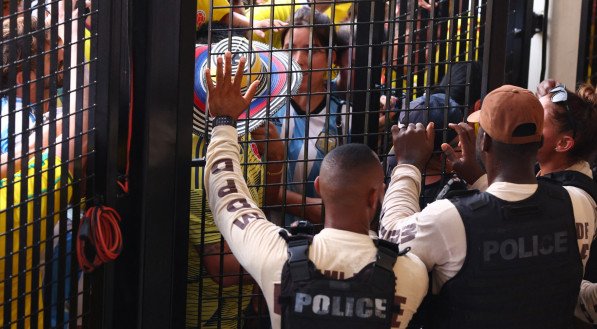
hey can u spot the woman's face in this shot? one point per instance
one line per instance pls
(300, 53)
(551, 133)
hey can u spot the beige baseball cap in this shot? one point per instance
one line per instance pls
(511, 115)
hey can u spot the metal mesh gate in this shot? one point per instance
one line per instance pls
(363, 66)
(49, 52)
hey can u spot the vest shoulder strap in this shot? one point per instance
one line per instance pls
(573, 178)
(298, 254)
(383, 267)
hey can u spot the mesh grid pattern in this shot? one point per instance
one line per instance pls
(365, 66)
(48, 90)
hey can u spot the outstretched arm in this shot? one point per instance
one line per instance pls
(237, 216)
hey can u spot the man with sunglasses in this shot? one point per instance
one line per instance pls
(502, 258)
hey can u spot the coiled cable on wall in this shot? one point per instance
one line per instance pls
(99, 240)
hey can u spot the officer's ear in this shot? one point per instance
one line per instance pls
(316, 185)
(485, 141)
(565, 143)
(374, 197)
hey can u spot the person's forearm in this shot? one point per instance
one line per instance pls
(310, 209)
(222, 266)
(238, 20)
(586, 308)
(237, 216)
(402, 198)
(273, 173)
(273, 180)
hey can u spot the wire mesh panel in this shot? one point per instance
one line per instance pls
(329, 73)
(47, 92)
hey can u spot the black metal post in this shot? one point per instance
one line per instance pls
(494, 53)
(368, 47)
(584, 42)
(151, 273)
(112, 22)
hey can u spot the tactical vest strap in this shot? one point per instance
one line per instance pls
(386, 255)
(383, 268)
(298, 255)
(574, 178)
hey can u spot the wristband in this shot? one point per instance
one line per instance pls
(224, 120)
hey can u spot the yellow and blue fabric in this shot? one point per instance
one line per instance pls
(58, 189)
(325, 132)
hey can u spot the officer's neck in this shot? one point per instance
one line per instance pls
(352, 220)
(514, 172)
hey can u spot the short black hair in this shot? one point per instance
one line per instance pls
(348, 158)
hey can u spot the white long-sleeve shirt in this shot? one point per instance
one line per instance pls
(262, 252)
(437, 233)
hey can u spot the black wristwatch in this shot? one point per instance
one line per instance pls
(224, 120)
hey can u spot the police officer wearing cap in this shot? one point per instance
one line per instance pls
(507, 257)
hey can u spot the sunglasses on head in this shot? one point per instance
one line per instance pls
(559, 96)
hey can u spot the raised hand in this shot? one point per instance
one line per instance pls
(224, 98)
(545, 86)
(465, 165)
(426, 4)
(413, 144)
(262, 25)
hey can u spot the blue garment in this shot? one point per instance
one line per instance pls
(323, 129)
(53, 280)
(18, 122)
(433, 110)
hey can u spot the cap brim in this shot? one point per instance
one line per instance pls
(474, 117)
(269, 98)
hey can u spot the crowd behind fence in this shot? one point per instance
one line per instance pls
(330, 73)
(49, 56)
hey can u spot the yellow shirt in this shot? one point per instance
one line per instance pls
(204, 13)
(207, 298)
(33, 225)
(283, 10)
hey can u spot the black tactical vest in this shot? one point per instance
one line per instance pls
(522, 268)
(585, 183)
(576, 179)
(310, 300)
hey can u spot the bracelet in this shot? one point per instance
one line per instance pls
(277, 172)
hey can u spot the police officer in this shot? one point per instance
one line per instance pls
(351, 186)
(503, 258)
(570, 132)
